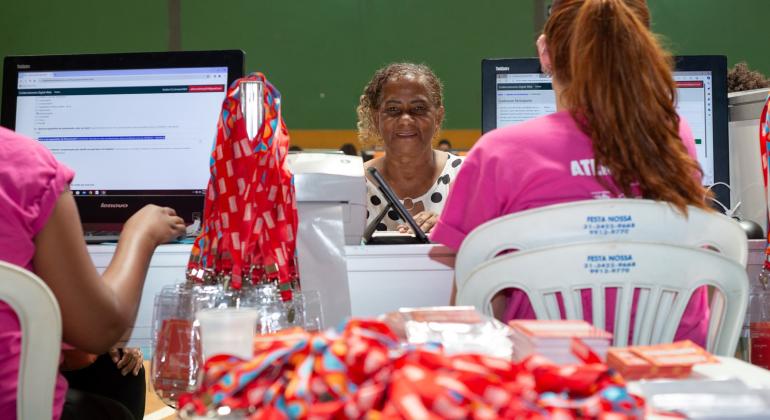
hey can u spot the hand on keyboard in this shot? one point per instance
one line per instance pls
(159, 224)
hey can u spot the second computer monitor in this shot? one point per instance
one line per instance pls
(516, 90)
(136, 128)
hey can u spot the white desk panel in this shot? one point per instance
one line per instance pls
(381, 278)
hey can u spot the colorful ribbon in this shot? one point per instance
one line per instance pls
(361, 371)
(250, 215)
(764, 133)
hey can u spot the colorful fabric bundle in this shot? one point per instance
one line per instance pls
(303, 374)
(764, 144)
(764, 139)
(429, 384)
(362, 371)
(250, 216)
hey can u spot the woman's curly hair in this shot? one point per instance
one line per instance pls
(371, 98)
(740, 78)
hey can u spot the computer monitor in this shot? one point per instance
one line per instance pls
(515, 90)
(136, 128)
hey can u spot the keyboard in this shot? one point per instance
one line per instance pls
(104, 236)
(101, 237)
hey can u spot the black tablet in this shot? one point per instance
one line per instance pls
(394, 202)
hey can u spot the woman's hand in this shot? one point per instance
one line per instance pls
(424, 219)
(128, 360)
(158, 224)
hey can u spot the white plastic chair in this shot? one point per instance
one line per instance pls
(40, 319)
(666, 276)
(600, 220)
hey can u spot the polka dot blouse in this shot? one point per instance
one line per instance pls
(433, 200)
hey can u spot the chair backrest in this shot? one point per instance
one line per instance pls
(616, 219)
(40, 319)
(665, 275)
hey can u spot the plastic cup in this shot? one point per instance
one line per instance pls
(176, 354)
(310, 302)
(227, 331)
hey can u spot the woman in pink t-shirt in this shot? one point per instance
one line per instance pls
(40, 230)
(616, 134)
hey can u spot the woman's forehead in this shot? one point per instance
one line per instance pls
(406, 77)
(407, 84)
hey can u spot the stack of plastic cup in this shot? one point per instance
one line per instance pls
(228, 331)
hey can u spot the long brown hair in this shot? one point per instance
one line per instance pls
(618, 84)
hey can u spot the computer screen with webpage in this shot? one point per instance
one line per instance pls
(134, 133)
(155, 124)
(514, 90)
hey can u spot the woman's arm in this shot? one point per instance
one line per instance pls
(97, 310)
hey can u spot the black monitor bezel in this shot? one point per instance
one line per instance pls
(489, 74)
(716, 64)
(91, 208)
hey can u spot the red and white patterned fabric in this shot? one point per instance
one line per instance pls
(250, 214)
(361, 371)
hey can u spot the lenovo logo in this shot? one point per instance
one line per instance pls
(114, 206)
(22, 66)
(501, 68)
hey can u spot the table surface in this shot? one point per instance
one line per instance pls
(728, 368)
(754, 377)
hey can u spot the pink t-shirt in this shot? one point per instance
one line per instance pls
(544, 161)
(31, 180)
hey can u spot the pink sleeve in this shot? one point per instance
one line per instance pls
(689, 143)
(32, 181)
(687, 138)
(56, 183)
(472, 201)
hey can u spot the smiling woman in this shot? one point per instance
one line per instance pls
(402, 109)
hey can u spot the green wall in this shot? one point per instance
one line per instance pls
(738, 29)
(321, 69)
(320, 53)
(82, 26)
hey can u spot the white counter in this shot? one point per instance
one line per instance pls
(381, 278)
